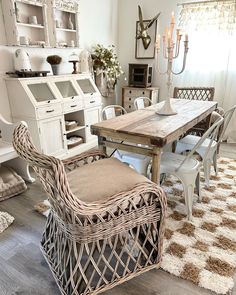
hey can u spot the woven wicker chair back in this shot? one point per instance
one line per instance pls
(195, 93)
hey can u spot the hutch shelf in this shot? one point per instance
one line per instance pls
(26, 22)
(58, 110)
(65, 23)
(41, 23)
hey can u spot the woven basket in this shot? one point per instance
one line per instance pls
(72, 126)
(72, 145)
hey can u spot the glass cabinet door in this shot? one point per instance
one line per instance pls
(66, 89)
(86, 86)
(41, 92)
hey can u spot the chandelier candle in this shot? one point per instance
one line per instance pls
(171, 50)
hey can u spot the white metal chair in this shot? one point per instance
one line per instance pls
(189, 141)
(187, 168)
(138, 162)
(142, 102)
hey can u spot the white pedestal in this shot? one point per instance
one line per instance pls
(166, 109)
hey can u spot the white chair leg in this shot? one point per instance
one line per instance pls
(215, 163)
(198, 187)
(207, 171)
(188, 194)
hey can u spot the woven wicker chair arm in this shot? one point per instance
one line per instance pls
(136, 195)
(145, 203)
(83, 159)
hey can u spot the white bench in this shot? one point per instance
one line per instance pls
(8, 155)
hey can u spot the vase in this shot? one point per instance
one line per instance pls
(55, 69)
(101, 82)
(70, 23)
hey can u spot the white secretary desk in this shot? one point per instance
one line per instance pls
(46, 103)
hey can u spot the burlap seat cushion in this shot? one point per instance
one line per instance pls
(11, 184)
(103, 179)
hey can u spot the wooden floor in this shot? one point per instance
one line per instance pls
(24, 271)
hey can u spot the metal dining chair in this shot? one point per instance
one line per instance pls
(139, 162)
(187, 168)
(142, 102)
(196, 93)
(189, 141)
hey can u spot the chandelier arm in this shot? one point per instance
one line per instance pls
(184, 65)
(177, 49)
(164, 52)
(157, 66)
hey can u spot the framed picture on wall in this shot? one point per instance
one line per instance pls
(140, 51)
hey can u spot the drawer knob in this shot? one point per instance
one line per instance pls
(92, 101)
(73, 106)
(50, 111)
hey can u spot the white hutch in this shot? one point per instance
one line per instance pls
(47, 104)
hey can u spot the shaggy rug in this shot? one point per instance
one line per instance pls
(5, 220)
(202, 251)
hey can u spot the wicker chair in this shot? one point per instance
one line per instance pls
(106, 221)
(196, 93)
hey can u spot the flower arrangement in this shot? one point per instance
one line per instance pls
(105, 62)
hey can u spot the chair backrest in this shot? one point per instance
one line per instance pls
(142, 102)
(212, 134)
(112, 111)
(227, 118)
(195, 93)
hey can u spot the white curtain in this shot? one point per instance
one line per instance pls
(212, 52)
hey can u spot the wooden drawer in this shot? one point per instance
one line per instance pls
(72, 106)
(136, 93)
(92, 102)
(129, 107)
(49, 111)
(129, 100)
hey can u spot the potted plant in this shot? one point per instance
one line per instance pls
(106, 67)
(54, 61)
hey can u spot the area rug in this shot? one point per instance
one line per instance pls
(5, 220)
(202, 251)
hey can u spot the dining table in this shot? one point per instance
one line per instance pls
(147, 133)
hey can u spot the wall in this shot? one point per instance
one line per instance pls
(128, 15)
(98, 24)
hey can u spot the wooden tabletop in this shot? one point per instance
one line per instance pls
(146, 127)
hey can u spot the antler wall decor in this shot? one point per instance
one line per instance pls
(143, 28)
